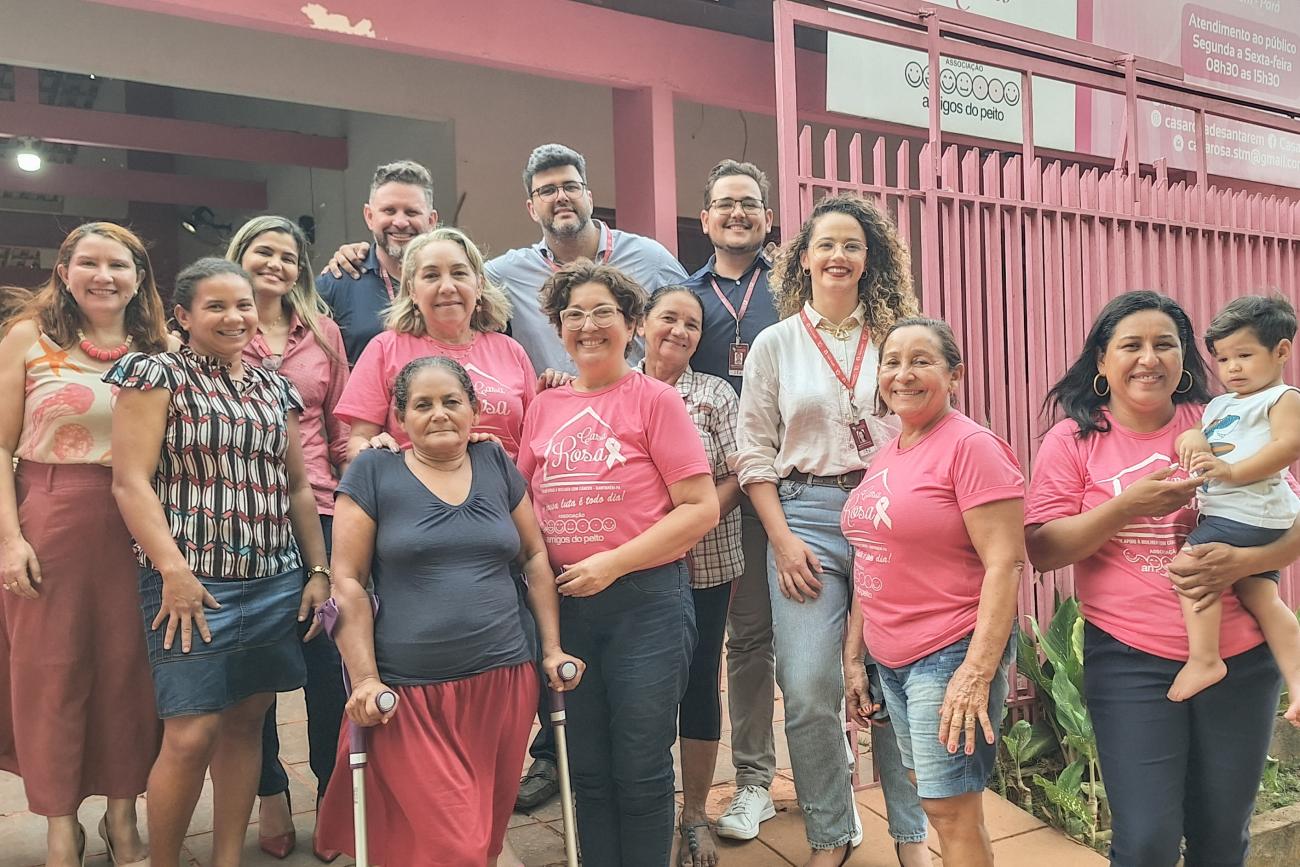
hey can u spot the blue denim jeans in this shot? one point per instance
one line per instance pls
(325, 700)
(809, 640)
(636, 637)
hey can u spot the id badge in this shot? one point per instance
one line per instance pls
(736, 358)
(862, 440)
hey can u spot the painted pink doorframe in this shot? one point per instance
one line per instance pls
(1019, 256)
(645, 163)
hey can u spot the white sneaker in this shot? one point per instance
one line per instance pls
(751, 806)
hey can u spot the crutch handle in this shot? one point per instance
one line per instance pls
(385, 701)
(567, 671)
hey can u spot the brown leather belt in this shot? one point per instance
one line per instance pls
(844, 481)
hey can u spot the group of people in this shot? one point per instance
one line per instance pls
(575, 453)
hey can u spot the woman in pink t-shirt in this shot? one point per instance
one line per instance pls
(1107, 496)
(622, 490)
(938, 550)
(445, 306)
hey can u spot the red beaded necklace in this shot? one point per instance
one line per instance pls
(99, 354)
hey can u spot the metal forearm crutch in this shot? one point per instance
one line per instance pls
(357, 738)
(328, 615)
(568, 671)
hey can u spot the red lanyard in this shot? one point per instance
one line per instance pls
(608, 234)
(744, 304)
(388, 282)
(850, 382)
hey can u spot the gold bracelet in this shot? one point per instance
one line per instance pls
(323, 570)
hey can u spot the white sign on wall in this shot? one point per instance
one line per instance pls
(891, 83)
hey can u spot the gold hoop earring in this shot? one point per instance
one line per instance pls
(1097, 389)
(1190, 383)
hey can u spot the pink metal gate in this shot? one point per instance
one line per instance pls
(1019, 256)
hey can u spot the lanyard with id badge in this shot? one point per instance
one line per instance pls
(858, 430)
(737, 352)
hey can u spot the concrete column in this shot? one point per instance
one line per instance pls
(645, 164)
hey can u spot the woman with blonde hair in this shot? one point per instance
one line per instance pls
(445, 306)
(296, 337)
(805, 435)
(77, 715)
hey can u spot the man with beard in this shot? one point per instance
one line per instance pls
(732, 288)
(560, 201)
(400, 207)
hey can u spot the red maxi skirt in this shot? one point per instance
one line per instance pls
(77, 712)
(442, 775)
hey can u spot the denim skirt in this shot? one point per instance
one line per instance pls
(254, 648)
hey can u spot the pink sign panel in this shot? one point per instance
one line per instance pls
(1247, 47)
(1245, 54)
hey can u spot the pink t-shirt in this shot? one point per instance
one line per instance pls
(1124, 587)
(599, 464)
(502, 375)
(916, 573)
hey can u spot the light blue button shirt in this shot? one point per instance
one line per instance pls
(522, 271)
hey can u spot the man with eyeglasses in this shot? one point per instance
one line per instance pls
(732, 288)
(560, 202)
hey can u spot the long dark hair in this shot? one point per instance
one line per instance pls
(1074, 396)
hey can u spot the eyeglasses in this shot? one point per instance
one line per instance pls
(572, 189)
(574, 319)
(726, 206)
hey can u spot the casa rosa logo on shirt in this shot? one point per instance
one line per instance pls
(487, 387)
(867, 523)
(1148, 543)
(576, 460)
(583, 448)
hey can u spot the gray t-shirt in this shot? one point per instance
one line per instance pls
(448, 608)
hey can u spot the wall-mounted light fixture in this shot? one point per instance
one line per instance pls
(26, 155)
(203, 218)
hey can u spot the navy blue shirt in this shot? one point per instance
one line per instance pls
(720, 325)
(356, 303)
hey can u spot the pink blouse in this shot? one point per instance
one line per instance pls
(320, 380)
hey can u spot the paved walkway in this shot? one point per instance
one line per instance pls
(1019, 840)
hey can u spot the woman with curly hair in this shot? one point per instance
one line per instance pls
(77, 715)
(806, 434)
(623, 490)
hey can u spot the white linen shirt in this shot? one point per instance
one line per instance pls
(795, 414)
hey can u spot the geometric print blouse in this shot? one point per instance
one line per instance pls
(222, 478)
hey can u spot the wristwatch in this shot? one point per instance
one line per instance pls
(323, 570)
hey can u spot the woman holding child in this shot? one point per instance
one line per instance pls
(1105, 498)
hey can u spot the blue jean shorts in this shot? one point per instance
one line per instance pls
(1213, 528)
(255, 646)
(914, 695)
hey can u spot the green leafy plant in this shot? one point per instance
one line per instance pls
(1073, 798)
(1050, 767)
